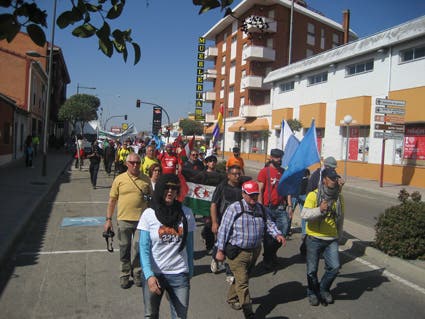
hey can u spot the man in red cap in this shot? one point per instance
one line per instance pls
(241, 245)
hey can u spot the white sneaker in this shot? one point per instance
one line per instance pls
(214, 266)
(230, 279)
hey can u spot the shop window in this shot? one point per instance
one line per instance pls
(414, 145)
(358, 143)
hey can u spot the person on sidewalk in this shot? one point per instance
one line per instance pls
(324, 212)
(315, 177)
(236, 159)
(129, 191)
(226, 193)
(121, 155)
(169, 161)
(149, 160)
(280, 206)
(35, 143)
(108, 155)
(29, 152)
(94, 158)
(242, 244)
(166, 249)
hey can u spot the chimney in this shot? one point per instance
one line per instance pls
(346, 25)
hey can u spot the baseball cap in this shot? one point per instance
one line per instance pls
(211, 158)
(236, 150)
(250, 187)
(276, 153)
(330, 173)
(330, 162)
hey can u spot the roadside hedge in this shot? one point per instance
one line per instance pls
(400, 230)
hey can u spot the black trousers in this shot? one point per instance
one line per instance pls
(94, 169)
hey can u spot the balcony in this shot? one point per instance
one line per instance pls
(254, 110)
(256, 24)
(208, 96)
(258, 53)
(211, 53)
(209, 118)
(254, 82)
(210, 74)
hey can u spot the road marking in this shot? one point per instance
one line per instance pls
(61, 252)
(387, 273)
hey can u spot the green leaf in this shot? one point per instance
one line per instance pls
(36, 34)
(118, 46)
(208, 5)
(84, 31)
(104, 31)
(137, 53)
(115, 11)
(76, 14)
(65, 19)
(105, 45)
(125, 54)
(92, 8)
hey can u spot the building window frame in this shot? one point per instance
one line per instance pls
(359, 68)
(317, 78)
(412, 54)
(286, 86)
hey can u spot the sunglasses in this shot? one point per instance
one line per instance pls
(134, 162)
(195, 154)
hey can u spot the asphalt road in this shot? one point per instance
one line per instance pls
(66, 272)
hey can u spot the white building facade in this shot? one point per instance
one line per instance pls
(347, 80)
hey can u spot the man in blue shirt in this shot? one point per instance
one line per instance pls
(239, 239)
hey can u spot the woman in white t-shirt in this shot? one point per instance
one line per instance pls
(166, 249)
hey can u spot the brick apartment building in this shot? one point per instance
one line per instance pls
(249, 44)
(23, 87)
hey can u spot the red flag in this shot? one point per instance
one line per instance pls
(184, 189)
(177, 141)
(184, 154)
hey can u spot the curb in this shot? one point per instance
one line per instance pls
(7, 249)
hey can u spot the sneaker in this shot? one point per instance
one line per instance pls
(214, 266)
(230, 279)
(125, 282)
(137, 281)
(313, 300)
(327, 297)
(235, 305)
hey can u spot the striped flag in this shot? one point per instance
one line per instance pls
(285, 134)
(199, 197)
(184, 154)
(218, 125)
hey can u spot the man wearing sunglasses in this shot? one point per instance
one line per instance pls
(129, 191)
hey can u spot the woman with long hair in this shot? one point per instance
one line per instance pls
(166, 249)
(155, 170)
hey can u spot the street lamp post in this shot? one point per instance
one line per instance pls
(84, 87)
(114, 116)
(347, 120)
(49, 89)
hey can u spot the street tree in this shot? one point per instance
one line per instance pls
(79, 108)
(191, 127)
(22, 13)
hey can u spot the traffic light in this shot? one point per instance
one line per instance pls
(137, 103)
(125, 117)
(156, 120)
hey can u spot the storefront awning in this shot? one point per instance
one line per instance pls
(250, 125)
(210, 129)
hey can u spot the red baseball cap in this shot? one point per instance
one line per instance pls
(251, 187)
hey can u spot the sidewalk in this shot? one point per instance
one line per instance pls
(22, 190)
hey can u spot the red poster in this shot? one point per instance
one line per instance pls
(353, 149)
(414, 147)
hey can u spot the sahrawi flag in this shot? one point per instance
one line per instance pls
(199, 197)
(218, 125)
(305, 155)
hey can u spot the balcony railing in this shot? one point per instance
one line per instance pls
(258, 53)
(211, 53)
(255, 110)
(210, 74)
(209, 96)
(254, 82)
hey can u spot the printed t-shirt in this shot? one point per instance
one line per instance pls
(130, 200)
(147, 162)
(165, 242)
(270, 181)
(168, 163)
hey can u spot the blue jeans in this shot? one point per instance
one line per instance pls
(281, 219)
(177, 286)
(329, 250)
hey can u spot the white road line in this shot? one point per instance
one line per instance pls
(60, 252)
(387, 273)
(83, 202)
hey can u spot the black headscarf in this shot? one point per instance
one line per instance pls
(169, 215)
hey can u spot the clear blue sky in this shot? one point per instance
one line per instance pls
(168, 31)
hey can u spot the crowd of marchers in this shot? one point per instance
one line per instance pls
(155, 224)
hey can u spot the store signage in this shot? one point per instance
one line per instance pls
(390, 127)
(398, 103)
(199, 116)
(385, 110)
(388, 135)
